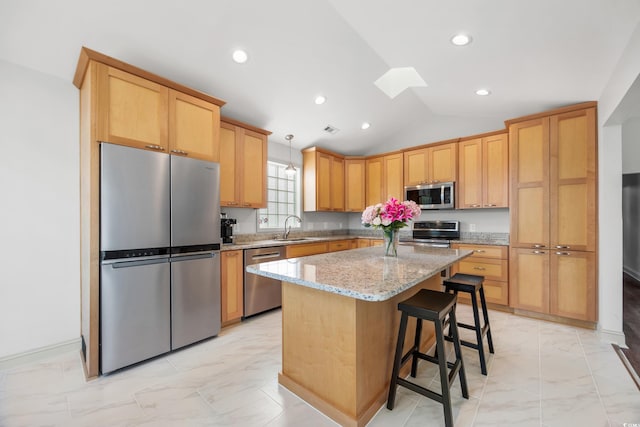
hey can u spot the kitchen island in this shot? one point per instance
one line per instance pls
(340, 320)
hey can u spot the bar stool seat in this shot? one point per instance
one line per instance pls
(432, 306)
(472, 285)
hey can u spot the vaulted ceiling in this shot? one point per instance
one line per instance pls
(532, 56)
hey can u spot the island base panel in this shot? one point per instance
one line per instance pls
(337, 351)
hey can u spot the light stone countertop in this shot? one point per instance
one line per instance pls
(365, 273)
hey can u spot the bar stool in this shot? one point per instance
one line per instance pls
(433, 306)
(472, 284)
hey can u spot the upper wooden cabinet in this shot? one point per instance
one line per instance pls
(431, 165)
(553, 181)
(323, 180)
(354, 185)
(243, 165)
(483, 178)
(140, 113)
(384, 178)
(194, 127)
(131, 110)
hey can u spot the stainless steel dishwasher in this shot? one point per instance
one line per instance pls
(261, 293)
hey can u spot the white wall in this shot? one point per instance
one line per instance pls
(39, 213)
(610, 191)
(631, 145)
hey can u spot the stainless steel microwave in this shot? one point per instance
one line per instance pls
(432, 196)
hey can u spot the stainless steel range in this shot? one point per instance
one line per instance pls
(438, 234)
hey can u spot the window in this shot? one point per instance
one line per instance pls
(283, 198)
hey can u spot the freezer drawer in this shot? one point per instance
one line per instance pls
(135, 312)
(195, 298)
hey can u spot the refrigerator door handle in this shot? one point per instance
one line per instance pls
(137, 263)
(193, 256)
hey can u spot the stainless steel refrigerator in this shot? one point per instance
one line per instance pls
(159, 253)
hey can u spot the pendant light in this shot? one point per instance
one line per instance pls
(290, 170)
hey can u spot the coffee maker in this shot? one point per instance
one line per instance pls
(226, 228)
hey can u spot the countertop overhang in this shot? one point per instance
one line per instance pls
(364, 274)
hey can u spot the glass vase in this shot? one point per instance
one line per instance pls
(391, 239)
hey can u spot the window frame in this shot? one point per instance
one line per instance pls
(274, 207)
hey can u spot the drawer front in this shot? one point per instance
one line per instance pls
(494, 292)
(294, 251)
(484, 251)
(491, 269)
(339, 245)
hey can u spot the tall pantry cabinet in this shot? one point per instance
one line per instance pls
(553, 200)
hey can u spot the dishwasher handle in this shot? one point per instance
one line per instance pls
(266, 256)
(135, 263)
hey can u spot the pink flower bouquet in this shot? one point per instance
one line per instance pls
(391, 215)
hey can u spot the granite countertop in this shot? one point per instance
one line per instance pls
(365, 273)
(500, 239)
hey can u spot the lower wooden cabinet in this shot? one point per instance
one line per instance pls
(561, 283)
(490, 261)
(306, 249)
(340, 245)
(231, 285)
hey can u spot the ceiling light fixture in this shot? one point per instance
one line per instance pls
(461, 39)
(290, 169)
(483, 92)
(320, 99)
(365, 125)
(240, 56)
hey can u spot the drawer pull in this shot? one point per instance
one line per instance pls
(538, 252)
(537, 246)
(154, 147)
(563, 247)
(181, 152)
(475, 206)
(563, 253)
(480, 251)
(232, 254)
(479, 268)
(490, 205)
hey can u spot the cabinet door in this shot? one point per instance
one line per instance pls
(337, 184)
(254, 175)
(374, 181)
(573, 285)
(306, 249)
(229, 173)
(354, 187)
(495, 171)
(529, 175)
(194, 127)
(393, 177)
(415, 166)
(131, 110)
(339, 245)
(469, 191)
(573, 180)
(323, 181)
(443, 163)
(231, 281)
(529, 279)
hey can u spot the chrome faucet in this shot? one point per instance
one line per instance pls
(286, 232)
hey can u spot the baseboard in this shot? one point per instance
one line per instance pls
(632, 273)
(11, 361)
(614, 337)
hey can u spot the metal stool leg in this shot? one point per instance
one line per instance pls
(396, 361)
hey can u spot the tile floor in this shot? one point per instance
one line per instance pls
(542, 374)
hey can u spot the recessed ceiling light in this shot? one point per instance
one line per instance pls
(483, 92)
(365, 125)
(320, 99)
(461, 39)
(240, 56)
